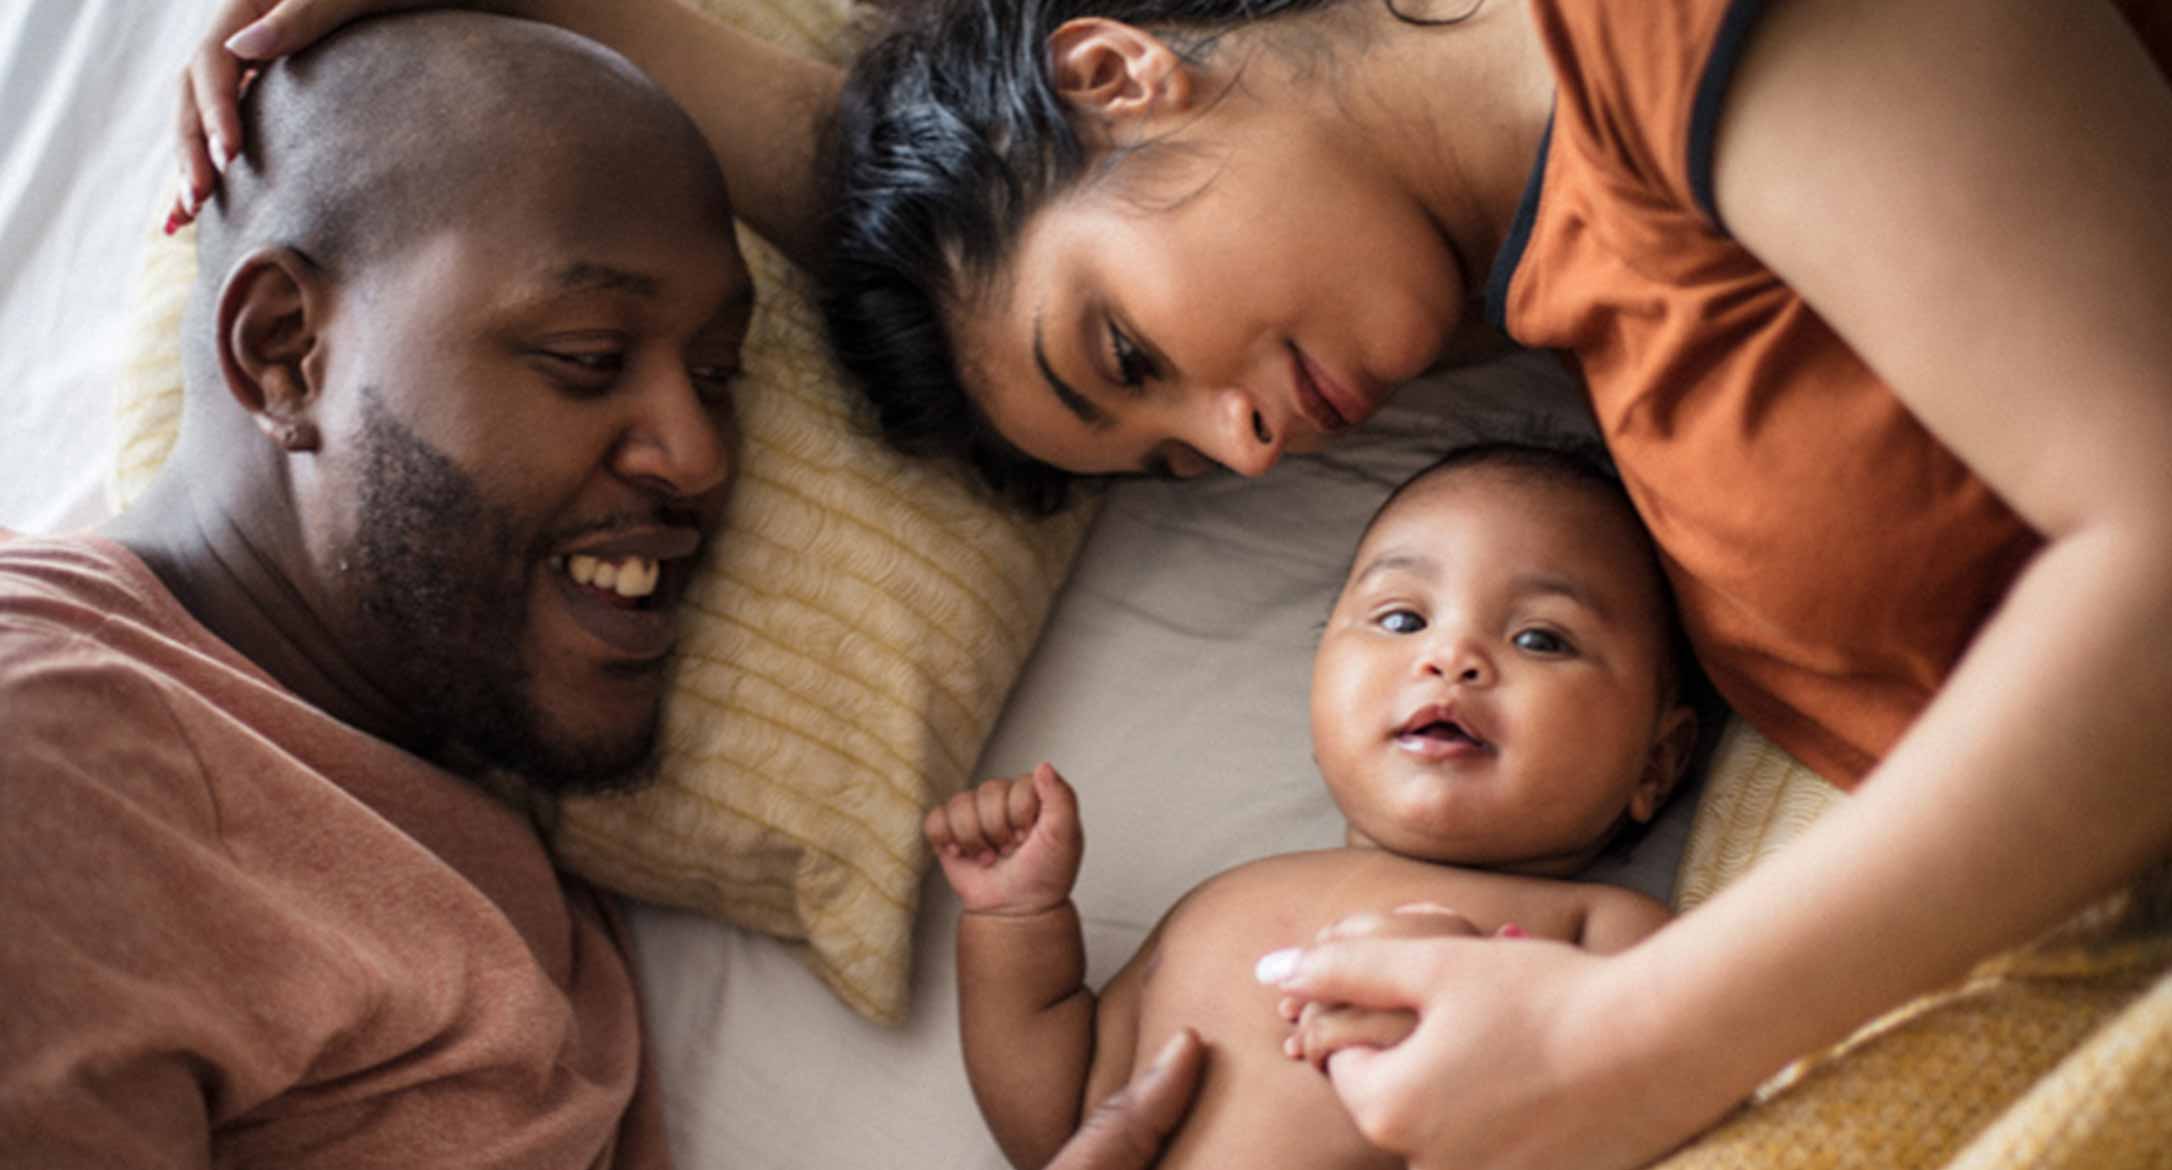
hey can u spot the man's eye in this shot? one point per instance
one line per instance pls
(713, 384)
(1401, 621)
(1133, 367)
(588, 369)
(1542, 642)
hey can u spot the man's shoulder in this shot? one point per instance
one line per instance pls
(49, 584)
(78, 710)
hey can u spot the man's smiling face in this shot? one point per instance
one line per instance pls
(529, 434)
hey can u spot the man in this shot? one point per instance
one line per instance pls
(456, 425)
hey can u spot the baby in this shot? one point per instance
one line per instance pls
(1495, 701)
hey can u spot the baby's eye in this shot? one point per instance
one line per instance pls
(1401, 621)
(1542, 642)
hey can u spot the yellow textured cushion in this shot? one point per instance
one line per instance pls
(847, 645)
(2056, 1055)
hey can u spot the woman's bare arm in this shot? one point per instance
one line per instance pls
(1984, 223)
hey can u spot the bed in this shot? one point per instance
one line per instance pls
(1165, 674)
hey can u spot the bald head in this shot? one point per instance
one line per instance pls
(400, 127)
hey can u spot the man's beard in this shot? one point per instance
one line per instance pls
(440, 580)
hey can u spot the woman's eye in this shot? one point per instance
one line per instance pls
(1541, 642)
(1133, 367)
(1400, 621)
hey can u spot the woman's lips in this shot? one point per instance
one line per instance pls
(1330, 405)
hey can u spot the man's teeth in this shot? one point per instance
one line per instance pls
(629, 577)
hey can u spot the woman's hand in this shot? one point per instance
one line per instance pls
(1520, 1056)
(243, 33)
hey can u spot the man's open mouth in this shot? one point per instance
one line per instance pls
(629, 581)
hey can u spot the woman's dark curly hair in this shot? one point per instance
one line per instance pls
(949, 136)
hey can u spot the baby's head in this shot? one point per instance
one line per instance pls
(1499, 682)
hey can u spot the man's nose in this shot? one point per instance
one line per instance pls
(676, 443)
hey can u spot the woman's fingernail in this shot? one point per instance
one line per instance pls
(1168, 1054)
(251, 43)
(1276, 966)
(1511, 930)
(220, 156)
(173, 222)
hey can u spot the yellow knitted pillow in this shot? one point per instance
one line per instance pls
(846, 648)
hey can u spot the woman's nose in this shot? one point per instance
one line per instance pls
(1239, 434)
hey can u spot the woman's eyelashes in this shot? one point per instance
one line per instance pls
(1133, 367)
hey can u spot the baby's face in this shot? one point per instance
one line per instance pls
(1487, 691)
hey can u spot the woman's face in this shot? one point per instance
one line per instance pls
(1247, 286)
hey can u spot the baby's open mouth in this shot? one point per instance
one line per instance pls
(1443, 730)
(1434, 732)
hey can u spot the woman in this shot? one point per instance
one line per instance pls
(1869, 299)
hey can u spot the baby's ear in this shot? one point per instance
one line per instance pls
(1109, 70)
(271, 315)
(1663, 767)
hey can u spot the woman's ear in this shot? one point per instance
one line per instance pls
(1663, 768)
(271, 314)
(1109, 70)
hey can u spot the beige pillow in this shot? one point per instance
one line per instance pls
(847, 646)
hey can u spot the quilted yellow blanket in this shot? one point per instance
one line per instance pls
(2055, 1057)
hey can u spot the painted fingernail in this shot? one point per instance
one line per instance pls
(1168, 1054)
(173, 222)
(1276, 966)
(252, 42)
(1511, 930)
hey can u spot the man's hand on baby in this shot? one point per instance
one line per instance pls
(1009, 846)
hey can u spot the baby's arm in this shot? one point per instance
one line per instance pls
(1011, 850)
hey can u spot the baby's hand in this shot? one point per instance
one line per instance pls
(1009, 846)
(1320, 1030)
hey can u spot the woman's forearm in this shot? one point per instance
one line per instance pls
(2035, 783)
(761, 107)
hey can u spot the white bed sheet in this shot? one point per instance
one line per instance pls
(86, 105)
(1170, 685)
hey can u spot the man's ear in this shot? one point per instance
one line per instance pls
(271, 314)
(1109, 70)
(1663, 768)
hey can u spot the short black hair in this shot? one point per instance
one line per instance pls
(398, 126)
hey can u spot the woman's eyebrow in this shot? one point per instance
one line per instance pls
(1086, 412)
